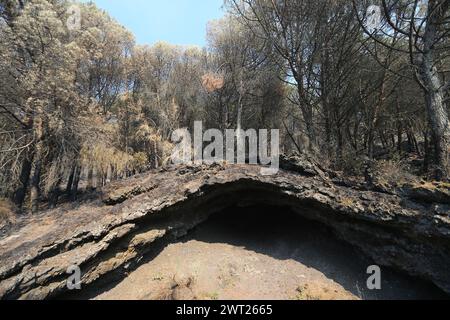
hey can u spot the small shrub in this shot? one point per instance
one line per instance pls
(140, 161)
(352, 165)
(392, 173)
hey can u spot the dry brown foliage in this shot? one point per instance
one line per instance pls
(212, 82)
(6, 211)
(393, 173)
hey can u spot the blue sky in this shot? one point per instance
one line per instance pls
(180, 22)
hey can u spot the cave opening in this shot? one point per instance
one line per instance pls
(272, 252)
(261, 252)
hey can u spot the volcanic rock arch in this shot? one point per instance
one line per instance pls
(112, 233)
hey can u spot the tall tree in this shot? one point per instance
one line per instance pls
(425, 28)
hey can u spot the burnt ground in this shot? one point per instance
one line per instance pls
(261, 253)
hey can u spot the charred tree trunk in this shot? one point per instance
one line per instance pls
(156, 154)
(99, 178)
(36, 167)
(20, 194)
(427, 160)
(340, 145)
(437, 116)
(24, 179)
(308, 114)
(90, 179)
(76, 182)
(70, 181)
(434, 93)
(54, 194)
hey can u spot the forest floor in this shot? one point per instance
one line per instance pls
(257, 258)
